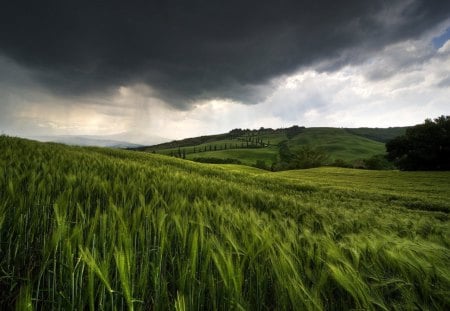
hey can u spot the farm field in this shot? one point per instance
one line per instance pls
(97, 228)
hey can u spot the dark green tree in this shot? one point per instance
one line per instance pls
(285, 153)
(308, 157)
(423, 147)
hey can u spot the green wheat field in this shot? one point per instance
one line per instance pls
(104, 229)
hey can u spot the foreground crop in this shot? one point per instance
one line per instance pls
(89, 228)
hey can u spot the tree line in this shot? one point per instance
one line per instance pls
(246, 142)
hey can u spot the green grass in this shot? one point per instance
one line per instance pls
(93, 229)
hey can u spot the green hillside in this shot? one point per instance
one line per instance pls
(348, 145)
(97, 228)
(338, 143)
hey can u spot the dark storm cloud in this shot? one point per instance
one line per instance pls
(189, 50)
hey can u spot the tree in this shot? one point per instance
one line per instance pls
(284, 152)
(378, 162)
(308, 157)
(423, 147)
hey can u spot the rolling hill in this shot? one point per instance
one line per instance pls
(249, 146)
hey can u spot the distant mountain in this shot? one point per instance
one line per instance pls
(135, 137)
(86, 141)
(121, 140)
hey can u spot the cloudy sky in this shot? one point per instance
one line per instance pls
(171, 69)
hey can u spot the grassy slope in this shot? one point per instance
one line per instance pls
(87, 228)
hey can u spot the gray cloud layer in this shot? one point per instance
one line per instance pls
(190, 50)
